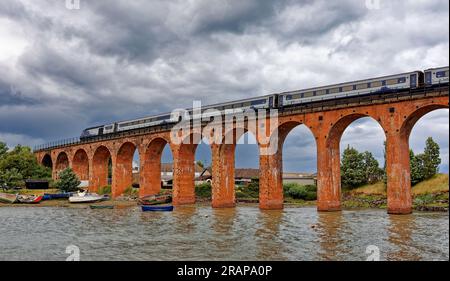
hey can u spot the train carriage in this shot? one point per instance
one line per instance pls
(356, 88)
(436, 76)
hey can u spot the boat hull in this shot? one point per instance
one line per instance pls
(85, 199)
(8, 198)
(30, 199)
(157, 208)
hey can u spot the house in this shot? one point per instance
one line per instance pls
(245, 176)
(300, 178)
(166, 174)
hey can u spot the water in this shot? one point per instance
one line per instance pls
(203, 233)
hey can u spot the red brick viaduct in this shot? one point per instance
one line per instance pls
(396, 115)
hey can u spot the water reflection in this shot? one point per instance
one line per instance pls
(267, 235)
(401, 229)
(330, 227)
(223, 220)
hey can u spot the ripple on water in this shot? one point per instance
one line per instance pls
(203, 233)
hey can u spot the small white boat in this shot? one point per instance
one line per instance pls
(84, 197)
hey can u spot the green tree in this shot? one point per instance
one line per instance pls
(10, 178)
(416, 167)
(353, 172)
(200, 164)
(431, 159)
(68, 180)
(3, 149)
(23, 160)
(373, 172)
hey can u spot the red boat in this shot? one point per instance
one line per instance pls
(29, 199)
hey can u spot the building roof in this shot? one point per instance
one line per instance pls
(246, 173)
(292, 175)
(168, 167)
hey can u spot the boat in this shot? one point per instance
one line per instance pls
(29, 199)
(52, 196)
(8, 198)
(101, 207)
(155, 199)
(146, 208)
(84, 197)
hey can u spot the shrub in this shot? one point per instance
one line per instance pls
(296, 191)
(131, 191)
(68, 181)
(104, 190)
(203, 190)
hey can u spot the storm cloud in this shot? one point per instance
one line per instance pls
(62, 70)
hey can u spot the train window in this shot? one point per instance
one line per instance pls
(392, 81)
(361, 86)
(369, 85)
(303, 95)
(348, 88)
(383, 82)
(288, 97)
(334, 90)
(314, 93)
(319, 93)
(441, 74)
(327, 91)
(308, 94)
(340, 89)
(246, 104)
(354, 87)
(401, 80)
(376, 84)
(258, 102)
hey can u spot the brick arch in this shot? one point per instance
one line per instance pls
(123, 168)
(80, 164)
(100, 162)
(62, 162)
(47, 161)
(150, 170)
(416, 115)
(329, 162)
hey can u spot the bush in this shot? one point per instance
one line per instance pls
(296, 191)
(104, 190)
(131, 191)
(203, 190)
(68, 181)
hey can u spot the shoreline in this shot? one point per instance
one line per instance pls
(124, 204)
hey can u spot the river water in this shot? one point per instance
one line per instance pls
(203, 233)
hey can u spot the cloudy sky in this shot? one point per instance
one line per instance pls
(62, 70)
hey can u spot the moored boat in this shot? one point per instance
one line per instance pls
(8, 198)
(52, 196)
(84, 197)
(29, 199)
(146, 208)
(155, 199)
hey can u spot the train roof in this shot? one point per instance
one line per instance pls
(349, 83)
(436, 68)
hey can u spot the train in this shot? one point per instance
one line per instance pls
(410, 80)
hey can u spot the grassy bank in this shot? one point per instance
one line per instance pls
(429, 195)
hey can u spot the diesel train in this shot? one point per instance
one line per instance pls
(410, 80)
